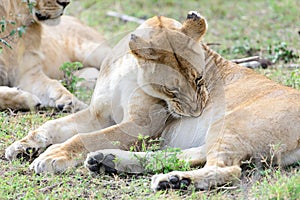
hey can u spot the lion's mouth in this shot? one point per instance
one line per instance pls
(41, 17)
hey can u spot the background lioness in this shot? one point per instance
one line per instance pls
(170, 85)
(33, 62)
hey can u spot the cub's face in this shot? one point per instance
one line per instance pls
(48, 11)
(171, 63)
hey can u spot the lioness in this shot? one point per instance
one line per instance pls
(168, 84)
(35, 58)
(71, 41)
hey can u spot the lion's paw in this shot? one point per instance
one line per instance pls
(69, 103)
(97, 162)
(55, 160)
(20, 150)
(18, 99)
(172, 180)
(28, 148)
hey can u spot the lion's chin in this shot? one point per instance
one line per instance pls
(51, 22)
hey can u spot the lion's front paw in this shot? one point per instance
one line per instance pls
(56, 159)
(173, 180)
(21, 150)
(28, 148)
(18, 99)
(69, 103)
(97, 162)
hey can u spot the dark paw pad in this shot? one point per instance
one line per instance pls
(193, 15)
(60, 107)
(65, 107)
(38, 106)
(98, 163)
(174, 183)
(29, 155)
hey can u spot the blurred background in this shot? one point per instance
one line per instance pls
(242, 28)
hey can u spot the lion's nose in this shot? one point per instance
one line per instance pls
(63, 3)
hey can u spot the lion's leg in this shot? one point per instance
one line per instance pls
(116, 160)
(290, 157)
(222, 165)
(119, 136)
(204, 178)
(55, 131)
(195, 156)
(50, 92)
(140, 120)
(217, 171)
(17, 99)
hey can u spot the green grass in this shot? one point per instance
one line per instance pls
(238, 26)
(261, 23)
(277, 185)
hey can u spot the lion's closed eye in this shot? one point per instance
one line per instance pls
(199, 81)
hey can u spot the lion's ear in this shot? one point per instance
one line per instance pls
(195, 26)
(141, 48)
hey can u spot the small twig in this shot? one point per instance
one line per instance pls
(213, 44)
(228, 187)
(294, 66)
(124, 17)
(51, 187)
(253, 62)
(11, 112)
(248, 59)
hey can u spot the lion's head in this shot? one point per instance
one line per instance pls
(25, 11)
(47, 11)
(171, 62)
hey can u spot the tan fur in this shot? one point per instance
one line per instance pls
(71, 41)
(170, 85)
(34, 60)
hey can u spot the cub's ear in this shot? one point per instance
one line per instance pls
(141, 48)
(195, 26)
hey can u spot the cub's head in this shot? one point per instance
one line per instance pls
(47, 11)
(171, 62)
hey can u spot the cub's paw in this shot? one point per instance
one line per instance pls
(56, 159)
(28, 148)
(97, 162)
(173, 180)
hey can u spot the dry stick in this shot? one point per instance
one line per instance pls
(51, 187)
(253, 62)
(248, 59)
(124, 17)
(250, 62)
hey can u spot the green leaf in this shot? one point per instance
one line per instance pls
(12, 33)
(5, 43)
(21, 30)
